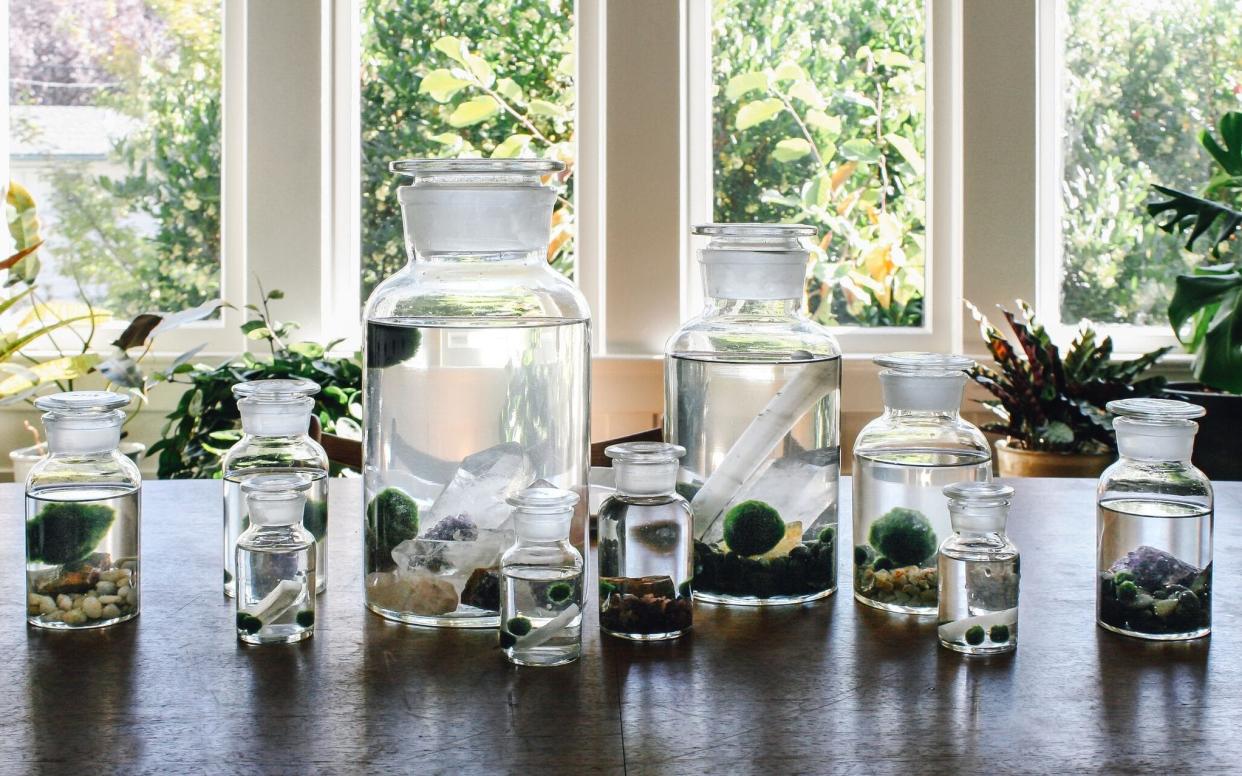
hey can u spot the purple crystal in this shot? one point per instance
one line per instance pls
(1153, 568)
(454, 528)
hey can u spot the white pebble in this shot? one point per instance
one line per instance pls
(111, 611)
(111, 575)
(131, 597)
(53, 616)
(123, 591)
(129, 565)
(75, 617)
(104, 587)
(109, 599)
(64, 602)
(47, 605)
(93, 608)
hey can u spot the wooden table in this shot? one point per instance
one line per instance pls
(828, 687)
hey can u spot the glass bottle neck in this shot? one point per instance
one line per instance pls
(1155, 442)
(897, 413)
(754, 308)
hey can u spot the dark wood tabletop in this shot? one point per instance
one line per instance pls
(827, 687)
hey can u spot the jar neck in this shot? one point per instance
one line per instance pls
(923, 395)
(268, 419)
(70, 438)
(645, 480)
(1172, 442)
(754, 308)
(457, 220)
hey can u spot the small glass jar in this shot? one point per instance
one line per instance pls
(979, 572)
(646, 553)
(1154, 526)
(752, 392)
(275, 416)
(476, 383)
(541, 593)
(276, 562)
(902, 461)
(83, 505)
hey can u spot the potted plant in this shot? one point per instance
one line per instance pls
(1051, 409)
(1206, 309)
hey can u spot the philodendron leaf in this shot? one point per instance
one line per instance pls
(474, 111)
(1211, 301)
(757, 112)
(791, 148)
(1228, 157)
(1195, 215)
(441, 85)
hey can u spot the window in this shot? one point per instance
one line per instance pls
(1136, 83)
(462, 79)
(115, 131)
(819, 117)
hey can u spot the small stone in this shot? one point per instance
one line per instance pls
(64, 602)
(108, 599)
(123, 592)
(131, 596)
(387, 590)
(482, 590)
(75, 617)
(47, 605)
(104, 587)
(111, 611)
(110, 576)
(431, 596)
(93, 608)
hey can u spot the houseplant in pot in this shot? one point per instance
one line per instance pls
(1206, 309)
(1051, 409)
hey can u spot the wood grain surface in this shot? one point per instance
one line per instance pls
(830, 687)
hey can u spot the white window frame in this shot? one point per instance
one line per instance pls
(1050, 92)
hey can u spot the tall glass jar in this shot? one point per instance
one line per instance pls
(476, 384)
(752, 392)
(646, 558)
(275, 416)
(1154, 526)
(902, 462)
(979, 572)
(541, 589)
(82, 515)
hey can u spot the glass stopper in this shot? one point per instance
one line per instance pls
(645, 468)
(276, 499)
(929, 364)
(978, 507)
(83, 402)
(542, 512)
(417, 168)
(1148, 410)
(275, 390)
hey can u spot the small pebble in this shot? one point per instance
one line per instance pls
(131, 597)
(111, 611)
(47, 605)
(123, 591)
(93, 608)
(104, 587)
(109, 599)
(64, 602)
(110, 575)
(75, 617)
(129, 565)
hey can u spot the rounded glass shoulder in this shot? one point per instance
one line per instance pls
(466, 289)
(104, 469)
(1179, 481)
(753, 337)
(271, 452)
(895, 433)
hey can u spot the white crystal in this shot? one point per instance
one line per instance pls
(482, 483)
(800, 487)
(455, 561)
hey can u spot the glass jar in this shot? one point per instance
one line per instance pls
(1154, 526)
(752, 392)
(276, 562)
(275, 417)
(82, 516)
(979, 572)
(541, 593)
(646, 555)
(476, 384)
(902, 462)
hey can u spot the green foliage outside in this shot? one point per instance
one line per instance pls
(170, 85)
(206, 423)
(819, 117)
(1141, 79)
(462, 79)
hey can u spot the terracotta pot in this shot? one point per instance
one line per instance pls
(1016, 462)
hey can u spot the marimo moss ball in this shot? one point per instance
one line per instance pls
(904, 536)
(392, 517)
(391, 345)
(67, 531)
(974, 635)
(753, 528)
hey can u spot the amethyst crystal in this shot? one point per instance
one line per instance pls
(454, 528)
(1153, 568)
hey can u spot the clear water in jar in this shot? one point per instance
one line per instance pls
(1154, 568)
(460, 416)
(81, 556)
(645, 568)
(711, 402)
(541, 615)
(905, 491)
(275, 602)
(237, 520)
(978, 612)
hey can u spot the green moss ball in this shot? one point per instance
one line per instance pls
(248, 623)
(974, 635)
(518, 626)
(904, 536)
(392, 518)
(559, 592)
(753, 528)
(999, 633)
(305, 618)
(67, 531)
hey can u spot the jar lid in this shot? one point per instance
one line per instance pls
(276, 499)
(645, 452)
(83, 402)
(543, 498)
(919, 363)
(755, 231)
(1148, 410)
(978, 492)
(276, 390)
(416, 168)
